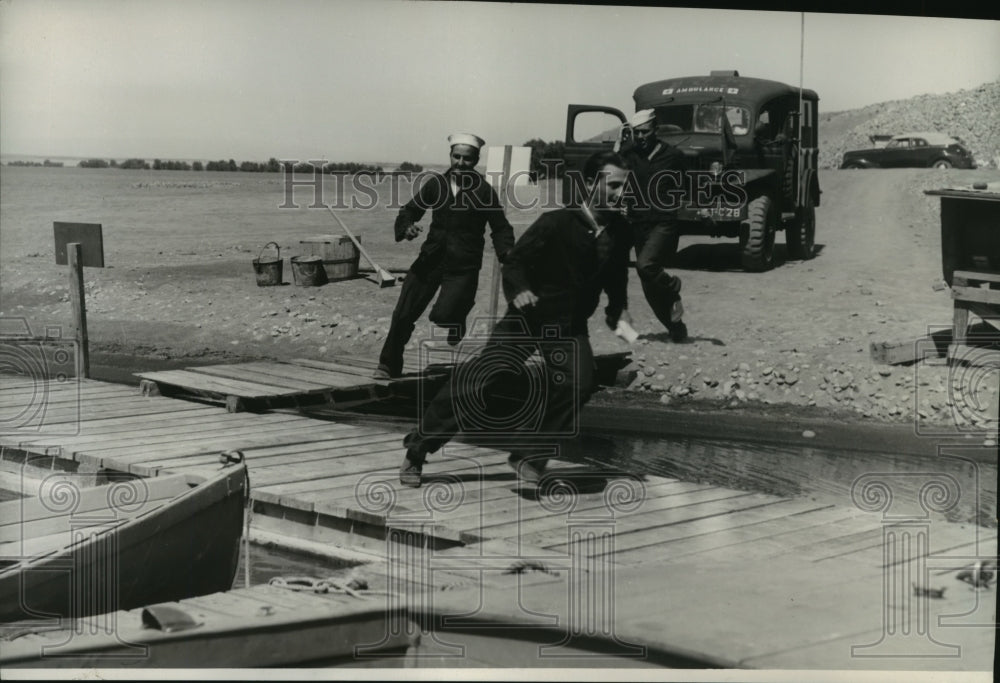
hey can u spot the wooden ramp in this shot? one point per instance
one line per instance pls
(346, 381)
(343, 382)
(332, 484)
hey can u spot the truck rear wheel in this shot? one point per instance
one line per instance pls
(760, 226)
(800, 234)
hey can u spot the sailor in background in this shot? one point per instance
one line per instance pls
(553, 279)
(462, 203)
(656, 166)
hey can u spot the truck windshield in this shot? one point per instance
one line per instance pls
(702, 118)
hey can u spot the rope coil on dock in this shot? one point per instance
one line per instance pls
(314, 585)
(522, 566)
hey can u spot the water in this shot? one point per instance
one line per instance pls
(268, 562)
(823, 475)
(6, 495)
(155, 217)
(184, 218)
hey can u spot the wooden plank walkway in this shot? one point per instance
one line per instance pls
(336, 484)
(345, 381)
(269, 383)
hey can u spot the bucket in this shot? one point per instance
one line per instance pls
(268, 271)
(308, 271)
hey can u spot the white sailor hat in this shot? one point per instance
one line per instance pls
(466, 139)
(641, 117)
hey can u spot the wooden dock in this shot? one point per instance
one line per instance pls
(344, 382)
(331, 484)
(267, 384)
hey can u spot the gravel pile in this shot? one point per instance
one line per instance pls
(972, 115)
(929, 394)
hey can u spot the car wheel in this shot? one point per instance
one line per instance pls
(800, 234)
(853, 167)
(760, 227)
(942, 163)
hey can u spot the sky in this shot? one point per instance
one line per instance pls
(387, 80)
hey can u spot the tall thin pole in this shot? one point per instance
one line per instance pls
(78, 302)
(802, 59)
(801, 146)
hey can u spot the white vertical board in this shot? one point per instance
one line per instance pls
(520, 164)
(506, 169)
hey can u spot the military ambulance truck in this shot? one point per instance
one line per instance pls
(750, 151)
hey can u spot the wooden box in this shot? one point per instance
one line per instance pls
(970, 229)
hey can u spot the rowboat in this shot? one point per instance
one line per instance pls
(77, 550)
(543, 615)
(518, 620)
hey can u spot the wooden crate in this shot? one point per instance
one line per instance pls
(970, 229)
(340, 255)
(970, 256)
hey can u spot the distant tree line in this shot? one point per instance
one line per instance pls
(35, 163)
(272, 165)
(222, 165)
(547, 161)
(171, 165)
(350, 167)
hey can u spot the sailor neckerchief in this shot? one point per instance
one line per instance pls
(595, 228)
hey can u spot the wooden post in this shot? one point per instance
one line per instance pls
(78, 303)
(502, 193)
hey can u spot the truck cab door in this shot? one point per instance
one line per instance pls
(589, 129)
(808, 191)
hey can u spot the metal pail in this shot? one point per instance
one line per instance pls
(308, 271)
(268, 271)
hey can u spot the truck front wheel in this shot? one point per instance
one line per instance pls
(759, 228)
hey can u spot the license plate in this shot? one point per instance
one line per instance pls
(721, 212)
